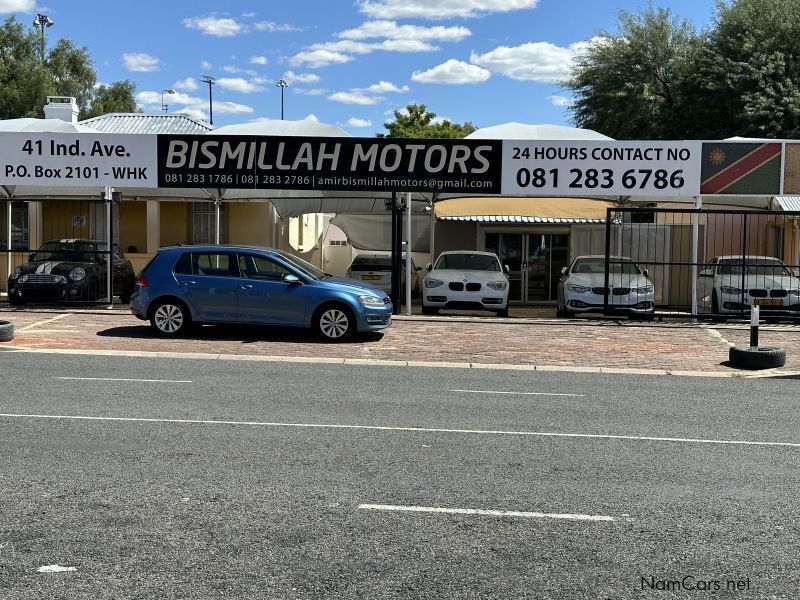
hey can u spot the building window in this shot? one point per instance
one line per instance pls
(20, 239)
(204, 223)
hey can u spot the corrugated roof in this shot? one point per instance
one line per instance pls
(518, 219)
(142, 123)
(788, 203)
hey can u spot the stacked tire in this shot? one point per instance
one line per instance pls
(6, 331)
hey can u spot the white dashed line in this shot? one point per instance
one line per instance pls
(516, 393)
(486, 513)
(121, 379)
(497, 432)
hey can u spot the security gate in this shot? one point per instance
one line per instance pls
(707, 263)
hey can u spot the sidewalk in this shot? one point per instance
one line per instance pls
(578, 344)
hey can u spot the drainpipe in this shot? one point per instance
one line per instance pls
(8, 239)
(216, 216)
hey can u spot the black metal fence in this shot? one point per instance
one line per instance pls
(702, 263)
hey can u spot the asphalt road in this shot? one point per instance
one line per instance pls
(236, 479)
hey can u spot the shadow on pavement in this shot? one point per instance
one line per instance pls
(246, 334)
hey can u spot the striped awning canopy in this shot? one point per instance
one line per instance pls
(788, 203)
(522, 210)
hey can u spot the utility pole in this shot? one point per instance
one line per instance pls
(210, 81)
(283, 85)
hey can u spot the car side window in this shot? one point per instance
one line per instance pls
(208, 264)
(184, 265)
(260, 267)
(708, 269)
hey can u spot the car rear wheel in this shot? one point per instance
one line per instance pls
(170, 318)
(429, 310)
(335, 322)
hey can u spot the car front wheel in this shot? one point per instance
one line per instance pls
(335, 323)
(170, 318)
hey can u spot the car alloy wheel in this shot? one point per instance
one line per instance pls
(169, 319)
(335, 323)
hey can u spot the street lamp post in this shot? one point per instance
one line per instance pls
(210, 81)
(42, 21)
(283, 85)
(165, 107)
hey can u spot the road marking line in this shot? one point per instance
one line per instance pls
(488, 513)
(37, 323)
(121, 379)
(516, 393)
(634, 438)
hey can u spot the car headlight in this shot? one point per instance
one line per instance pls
(645, 289)
(433, 283)
(368, 300)
(726, 289)
(497, 285)
(794, 292)
(23, 279)
(77, 273)
(580, 289)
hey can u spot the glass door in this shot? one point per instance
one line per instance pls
(508, 247)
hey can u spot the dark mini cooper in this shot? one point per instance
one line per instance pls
(70, 270)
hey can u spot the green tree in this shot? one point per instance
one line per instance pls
(747, 76)
(115, 98)
(417, 122)
(629, 85)
(26, 80)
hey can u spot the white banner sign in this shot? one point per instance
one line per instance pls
(597, 168)
(78, 159)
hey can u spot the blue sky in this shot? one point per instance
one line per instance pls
(347, 62)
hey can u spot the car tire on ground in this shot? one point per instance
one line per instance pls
(762, 357)
(125, 298)
(429, 310)
(6, 331)
(15, 300)
(502, 313)
(170, 318)
(334, 322)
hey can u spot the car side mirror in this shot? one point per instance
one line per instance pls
(506, 269)
(563, 270)
(289, 278)
(644, 272)
(419, 268)
(428, 267)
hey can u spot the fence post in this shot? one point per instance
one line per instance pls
(608, 258)
(698, 205)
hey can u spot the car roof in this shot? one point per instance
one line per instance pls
(468, 252)
(218, 247)
(740, 257)
(603, 256)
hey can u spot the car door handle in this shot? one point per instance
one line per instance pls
(189, 283)
(247, 287)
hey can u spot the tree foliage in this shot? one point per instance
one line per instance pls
(417, 122)
(26, 80)
(659, 79)
(630, 83)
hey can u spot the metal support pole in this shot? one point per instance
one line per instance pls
(698, 204)
(216, 219)
(110, 241)
(754, 310)
(8, 239)
(606, 279)
(408, 253)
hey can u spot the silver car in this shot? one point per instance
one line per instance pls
(582, 286)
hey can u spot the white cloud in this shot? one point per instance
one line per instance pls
(439, 9)
(205, 65)
(258, 60)
(231, 108)
(238, 84)
(356, 122)
(310, 91)
(557, 100)
(536, 61)
(140, 62)
(391, 30)
(383, 87)
(149, 98)
(293, 77)
(270, 26)
(354, 97)
(319, 58)
(454, 72)
(189, 84)
(215, 26)
(12, 6)
(195, 113)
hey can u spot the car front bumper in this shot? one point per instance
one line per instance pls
(484, 298)
(375, 318)
(591, 302)
(46, 292)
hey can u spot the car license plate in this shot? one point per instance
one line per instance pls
(768, 302)
(370, 277)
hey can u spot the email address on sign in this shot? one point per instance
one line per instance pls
(387, 182)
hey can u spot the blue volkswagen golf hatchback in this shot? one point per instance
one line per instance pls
(182, 285)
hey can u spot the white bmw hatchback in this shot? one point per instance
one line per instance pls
(466, 279)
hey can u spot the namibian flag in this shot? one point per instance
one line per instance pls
(740, 168)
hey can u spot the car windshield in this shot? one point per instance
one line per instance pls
(66, 251)
(306, 268)
(371, 263)
(468, 262)
(752, 266)
(598, 265)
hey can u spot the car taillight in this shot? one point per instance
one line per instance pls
(141, 281)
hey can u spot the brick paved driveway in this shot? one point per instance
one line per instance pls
(545, 342)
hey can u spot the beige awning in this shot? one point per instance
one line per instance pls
(523, 210)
